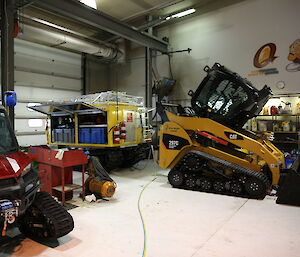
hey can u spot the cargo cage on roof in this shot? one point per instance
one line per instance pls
(112, 97)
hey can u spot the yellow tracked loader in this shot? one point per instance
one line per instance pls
(207, 149)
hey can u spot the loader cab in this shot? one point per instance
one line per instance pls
(227, 98)
(8, 141)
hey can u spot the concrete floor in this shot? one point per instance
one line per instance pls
(179, 223)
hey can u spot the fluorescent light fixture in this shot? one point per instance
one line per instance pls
(184, 13)
(90, 3)
(48, 24)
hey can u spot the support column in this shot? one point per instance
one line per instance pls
(83, 73)
(7, 52)
(148, 67)
(148, 72)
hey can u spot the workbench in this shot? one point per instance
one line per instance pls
(56, 170)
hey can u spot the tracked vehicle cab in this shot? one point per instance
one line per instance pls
(8, 143)
(227, 98)
(36, 214)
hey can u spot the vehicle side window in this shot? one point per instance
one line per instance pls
(6, 140)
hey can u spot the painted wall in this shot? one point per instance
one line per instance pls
(126, 74)
(231, 36)
(97, 77)
(129, 73)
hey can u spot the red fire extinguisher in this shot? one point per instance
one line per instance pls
(117, 134)
(16, 28)
(123, 130)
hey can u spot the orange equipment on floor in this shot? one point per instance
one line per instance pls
(99, 182)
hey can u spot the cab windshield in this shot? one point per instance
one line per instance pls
(8, 143)
(225, 98)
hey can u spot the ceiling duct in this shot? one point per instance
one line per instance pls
(59, 40)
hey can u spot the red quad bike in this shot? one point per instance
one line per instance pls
(37, 214)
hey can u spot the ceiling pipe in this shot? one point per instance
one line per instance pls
(59, 40)
(37, 22)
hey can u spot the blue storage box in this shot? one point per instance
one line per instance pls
(103, 136)
(68, 136)
(57, 136)
(85, 136)
(95, 132)
(98, 136)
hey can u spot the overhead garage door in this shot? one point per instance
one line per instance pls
(41, 73)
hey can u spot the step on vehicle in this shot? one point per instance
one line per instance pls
(207, 149)
(37, 214)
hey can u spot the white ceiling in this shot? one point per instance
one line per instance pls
(122, 9)
(133, 12)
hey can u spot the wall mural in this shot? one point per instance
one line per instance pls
(294, 57)
(264, 56)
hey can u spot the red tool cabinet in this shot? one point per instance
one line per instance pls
(56, 175)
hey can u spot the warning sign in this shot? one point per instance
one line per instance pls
(129, 117)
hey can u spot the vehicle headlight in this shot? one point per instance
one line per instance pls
(28, 187)
(26, 169)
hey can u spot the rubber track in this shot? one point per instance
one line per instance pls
(246, 171)
(62, 221)
(233, 166)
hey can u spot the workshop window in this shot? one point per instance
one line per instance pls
(35, 123)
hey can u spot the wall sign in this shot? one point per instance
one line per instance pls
(294, 57)
(264, 56)
(129, 117)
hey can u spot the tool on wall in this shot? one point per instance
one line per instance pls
(179, 51)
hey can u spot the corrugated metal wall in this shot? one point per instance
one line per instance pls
(42, 73)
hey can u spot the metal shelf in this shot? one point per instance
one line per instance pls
(286, 142)
(279, 132)
(88, 111)
(283, 114)
(93, 126)
(67, 187)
